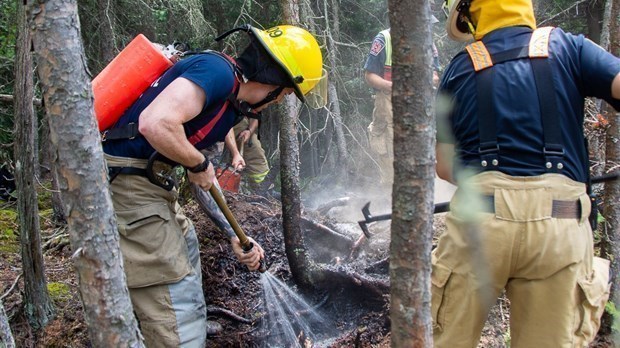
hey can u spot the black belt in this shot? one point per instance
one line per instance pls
(113, 172)
(559, 209)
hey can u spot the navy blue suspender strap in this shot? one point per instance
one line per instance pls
(537, 52)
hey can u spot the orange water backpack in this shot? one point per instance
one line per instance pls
(127, 76)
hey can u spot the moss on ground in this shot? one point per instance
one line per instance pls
(59, 292)
(9, 241)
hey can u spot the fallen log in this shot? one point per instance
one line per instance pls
(328, 278)
(324, 208)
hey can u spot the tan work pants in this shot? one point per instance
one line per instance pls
(257, 167)
(556, 287)
(381, 136)
(161, 260)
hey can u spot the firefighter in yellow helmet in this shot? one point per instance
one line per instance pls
(512, 140)
(193, 105)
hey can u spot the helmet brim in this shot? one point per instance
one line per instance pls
(261, 37)
(452, 28)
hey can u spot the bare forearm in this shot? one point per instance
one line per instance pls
(253, 126)
(231, 143)
(169, 139)
(445, 157)
(615, 87)
(378, 82)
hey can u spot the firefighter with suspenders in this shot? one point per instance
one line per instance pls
(193, 105)
(512, 140)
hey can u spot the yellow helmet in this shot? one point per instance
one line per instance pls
(297, 52)
(472, 19)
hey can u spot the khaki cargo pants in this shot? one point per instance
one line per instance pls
(161, 260)
(556, 287)
(381, 135)
(257, 167)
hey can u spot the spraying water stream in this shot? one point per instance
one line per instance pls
(289, 320)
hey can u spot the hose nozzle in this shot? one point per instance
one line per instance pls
(262, 267)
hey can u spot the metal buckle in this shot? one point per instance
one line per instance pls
(131, 130)
(485, 149)
(554, 152)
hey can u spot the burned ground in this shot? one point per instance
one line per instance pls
(234, 295)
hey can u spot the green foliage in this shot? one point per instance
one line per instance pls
(9, 241)
(8, 37)
(610, 308)
(161, 15)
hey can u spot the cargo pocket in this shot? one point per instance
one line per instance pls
(153, 247)
(439, 278)
(593, 295)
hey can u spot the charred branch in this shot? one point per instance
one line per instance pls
(222, 312)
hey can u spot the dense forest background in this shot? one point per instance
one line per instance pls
(107, 26)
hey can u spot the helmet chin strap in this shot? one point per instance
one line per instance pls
(246, 108)
(273, 95)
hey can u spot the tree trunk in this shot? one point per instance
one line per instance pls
(39, 308)
(594, 17)
(610, 246)
(289, 166)
(81, 173)
(6, 337)
(291, 196)
(290, 11)
(414, 167)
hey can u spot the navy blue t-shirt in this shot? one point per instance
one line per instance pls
(210, 72)
(580, 69)
(377, 56)
(375, 62)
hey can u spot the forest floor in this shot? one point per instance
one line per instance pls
(238, 299)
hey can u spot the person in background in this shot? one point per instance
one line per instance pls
(256, 165)
(193, 105)
(510, 134)
(378, 75)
